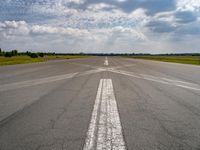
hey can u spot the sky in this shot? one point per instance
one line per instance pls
(100, 26)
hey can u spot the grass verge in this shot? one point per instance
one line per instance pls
(26, 59)
(194, 60)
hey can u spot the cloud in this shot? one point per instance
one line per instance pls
(185, 16)
(99, 24)
(44, 30)
(189, 29)
(79, 38)
(21, 28)
(188, 5)
(100, 7)
(13, 28)
(152, 6)
(160, 26)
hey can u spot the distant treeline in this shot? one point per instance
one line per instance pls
(130, 54)
(42, 54)
(27, 53)
(142, 54)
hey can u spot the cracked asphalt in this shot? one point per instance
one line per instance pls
(158, 103)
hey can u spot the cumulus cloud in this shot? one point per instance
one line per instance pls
(152, 6)
(185, 16)
(189, 29)
(160, 26)
(16, 28)
(48, 36)
(99, 24)
(100, 7)
(188, 5)
(13, 28)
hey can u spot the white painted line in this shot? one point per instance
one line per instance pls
(39, 81)
(178, 81)
(189, 86)
(167, 63)
(87, 66)
(106, 61)
(90, 140)
(98, 67)
(123, 66)
(105, 131)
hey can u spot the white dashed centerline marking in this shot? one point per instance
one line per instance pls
(105, 131)
(106, 61)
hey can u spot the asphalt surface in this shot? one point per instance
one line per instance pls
(138, 104)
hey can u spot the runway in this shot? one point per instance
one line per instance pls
(100, 103)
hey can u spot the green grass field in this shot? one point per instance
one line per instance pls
(26, 59)
(195, 60)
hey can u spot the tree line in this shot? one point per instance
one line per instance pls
(42, 54)
(27, 53)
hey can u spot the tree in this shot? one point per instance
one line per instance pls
(8, 54)
(1, 52)
(27, 53)
(41, 54)
(14, 52)
(33, 55)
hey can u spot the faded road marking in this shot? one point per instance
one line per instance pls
(161, 80)
(33, 82)
(105, 131)
(106, 61)
(96, 69)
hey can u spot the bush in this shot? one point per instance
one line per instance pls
(8, 54)
(33, 55)
(41, 54)
(27, 53)
(1, 52)
(14, 52)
